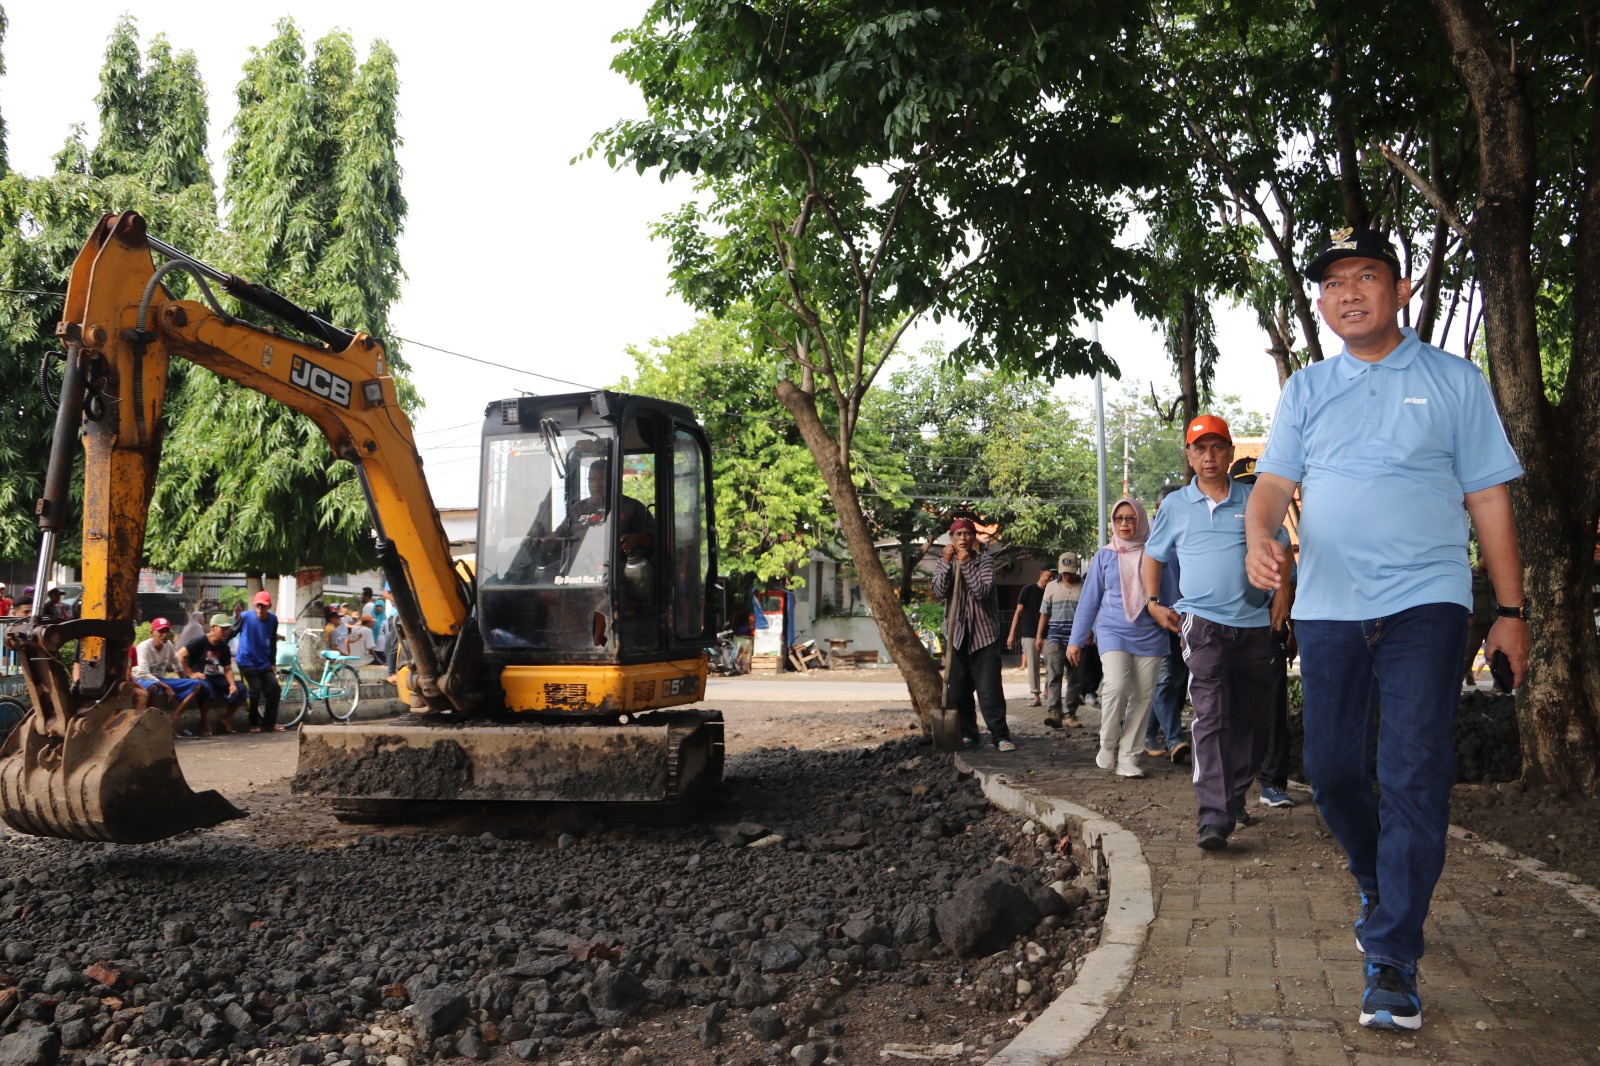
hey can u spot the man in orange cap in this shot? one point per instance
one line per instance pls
(1226, 627)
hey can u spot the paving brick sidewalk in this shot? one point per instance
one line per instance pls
(1251, 957)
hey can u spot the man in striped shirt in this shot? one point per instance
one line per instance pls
(972, 635)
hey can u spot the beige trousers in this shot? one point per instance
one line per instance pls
(1125, 694)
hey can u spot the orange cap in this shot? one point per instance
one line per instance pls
(1204, 424)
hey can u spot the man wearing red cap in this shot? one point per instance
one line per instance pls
(972, 635)
(258, 656)
(156, 669)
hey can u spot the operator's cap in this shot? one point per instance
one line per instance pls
(261, 597)
(223, 620)
(1349, 244)
(54, 592)
(1243, 470)
(1068, 563)
(159, 624)
(1204, 424)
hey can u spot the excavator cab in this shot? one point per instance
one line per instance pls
(595, 550)
(591, 617)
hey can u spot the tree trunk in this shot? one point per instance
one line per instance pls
(1555, 502)
(899, 636)
(1187, 376)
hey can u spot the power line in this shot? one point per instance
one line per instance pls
(491, 362)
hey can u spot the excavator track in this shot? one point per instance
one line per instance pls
(386, 771)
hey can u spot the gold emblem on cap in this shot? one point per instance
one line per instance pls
(1342, 238)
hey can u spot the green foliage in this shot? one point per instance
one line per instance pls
(994, 441)
(926, 615)
(316, 211)
(861, 165)
(771, 504)
(1147, 450)
(231, 596)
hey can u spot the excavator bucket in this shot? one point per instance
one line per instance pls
(114, 776)
(107, 771)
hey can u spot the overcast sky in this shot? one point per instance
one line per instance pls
(512, 254)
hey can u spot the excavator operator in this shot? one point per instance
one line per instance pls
(635, 524)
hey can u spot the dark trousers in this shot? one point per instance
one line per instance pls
(1396, 837)
(1275, 765)
(262, 683)
(977, 672)
(1230, 685)
(1166, 710)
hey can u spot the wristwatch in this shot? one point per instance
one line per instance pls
(1502, 611)
(1153, 599)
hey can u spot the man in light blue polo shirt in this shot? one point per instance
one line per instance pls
(1224, 622)
(1394, 445)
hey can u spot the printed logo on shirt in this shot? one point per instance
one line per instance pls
(1423, 400)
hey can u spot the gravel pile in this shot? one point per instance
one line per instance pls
(814, 889)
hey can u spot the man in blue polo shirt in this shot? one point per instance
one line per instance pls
(1394, 445)
(1225, 625)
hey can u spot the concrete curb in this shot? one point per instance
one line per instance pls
(1130, 908)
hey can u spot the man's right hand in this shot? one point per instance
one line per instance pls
(949, 552)
(1263, 564)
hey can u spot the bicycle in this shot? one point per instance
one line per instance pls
(12, 712)
(339, 690)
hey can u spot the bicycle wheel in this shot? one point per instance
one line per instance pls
(12, 712)
(344, 693)
(293, 703)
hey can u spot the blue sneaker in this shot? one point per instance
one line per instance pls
(1275, 797)
(1368, 905)
(1391, 1000)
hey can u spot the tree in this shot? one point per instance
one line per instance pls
(150, 157)
(1284, 121)
(1534, 230)
(862, 166)
(1145, 449)
(772, 509)
(315, 212)
(998, 443)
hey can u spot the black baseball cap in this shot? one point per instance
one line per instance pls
(1349, 244)
(1243, 470)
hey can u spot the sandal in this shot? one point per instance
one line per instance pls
(1005, 745)
(969, 742)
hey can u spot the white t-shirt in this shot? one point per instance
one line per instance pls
(154, 662)
(361, 642)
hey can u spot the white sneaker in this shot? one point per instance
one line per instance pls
(1106, 759)
(1130, 769)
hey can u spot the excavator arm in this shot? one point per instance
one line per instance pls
(94, 762)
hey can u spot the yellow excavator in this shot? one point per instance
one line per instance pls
(557, 669)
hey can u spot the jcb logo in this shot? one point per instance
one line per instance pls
(314, 379)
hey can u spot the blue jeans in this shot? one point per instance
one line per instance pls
(1410, 663)
(1166, 710)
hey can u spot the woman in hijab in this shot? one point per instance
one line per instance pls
(194, 630)
(1131, 644)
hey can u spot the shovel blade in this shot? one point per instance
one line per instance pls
(946, 726)
(113, 777)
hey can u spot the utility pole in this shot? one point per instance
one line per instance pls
(1100, 449)
(1127, 453)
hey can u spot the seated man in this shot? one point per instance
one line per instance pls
(156, 664)
(210, 662)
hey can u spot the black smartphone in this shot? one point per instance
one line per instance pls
(1500, 670)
